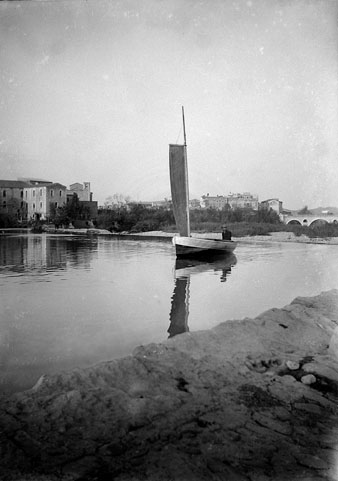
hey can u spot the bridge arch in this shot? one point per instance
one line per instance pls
(318, 221)
(293, 222)
(310, 220)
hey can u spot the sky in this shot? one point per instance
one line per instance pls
(92, 91)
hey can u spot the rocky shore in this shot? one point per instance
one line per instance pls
(250, 400)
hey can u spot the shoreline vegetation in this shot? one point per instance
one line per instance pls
(277, 236)
(249, 400)
(241, 222)
(140, 219)
(280, 236)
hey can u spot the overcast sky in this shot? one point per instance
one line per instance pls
(92, 91)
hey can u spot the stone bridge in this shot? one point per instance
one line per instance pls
(309, 219)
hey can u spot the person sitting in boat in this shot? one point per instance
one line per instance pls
(226, 234)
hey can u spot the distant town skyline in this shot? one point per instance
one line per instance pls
(93, 91)
(122, 196)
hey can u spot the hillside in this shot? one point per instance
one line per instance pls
(316, 210)
(320, 210)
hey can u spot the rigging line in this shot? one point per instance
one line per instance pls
(179, 134)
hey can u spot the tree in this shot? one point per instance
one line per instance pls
(268, 216)
(304, 210)
(58, 215)
(116, 199)
(73, 210)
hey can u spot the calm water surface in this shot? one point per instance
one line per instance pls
(69, 301)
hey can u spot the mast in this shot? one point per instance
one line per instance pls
(186, 175)
(179, 184)
(184, 134)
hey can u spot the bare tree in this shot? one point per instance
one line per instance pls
(116, 199)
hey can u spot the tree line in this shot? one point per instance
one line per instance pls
(138, 218)
(241, 222)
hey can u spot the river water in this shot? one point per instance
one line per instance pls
(68, 301)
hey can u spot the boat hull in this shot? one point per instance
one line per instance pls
(197, 246)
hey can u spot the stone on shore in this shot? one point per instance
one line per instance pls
(249, 400)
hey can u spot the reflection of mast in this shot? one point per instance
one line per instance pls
(179, 307)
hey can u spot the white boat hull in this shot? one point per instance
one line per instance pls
(198, 246)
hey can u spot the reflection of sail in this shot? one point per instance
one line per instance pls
(179, 307)
(184, 268)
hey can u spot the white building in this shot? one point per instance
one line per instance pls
(243, 201)
(274, 204)
(82, 191)
(40, 197)
(214, 202)
(234, 201)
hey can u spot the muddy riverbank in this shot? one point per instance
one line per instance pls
(254, 399)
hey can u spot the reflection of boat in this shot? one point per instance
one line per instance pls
(190, 266)
(184, 243)
(184, 268)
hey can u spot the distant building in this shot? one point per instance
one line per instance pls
(82, 191)
(143, 203)
(243, 201)
(33, 199)
(214, 202)
(112, 206)
(274, 204)
(150, 204)
(233, 201)
(159, 204)
(34, 181)
(86, 200)
(12, 198)
(194, 204)
(40, 198)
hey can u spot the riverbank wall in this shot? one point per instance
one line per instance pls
(249, 400)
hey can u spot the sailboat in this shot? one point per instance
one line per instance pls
(185, 244)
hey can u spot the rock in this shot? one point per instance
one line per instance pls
(308, 379)
(312, 462)
(309, 407)
(199, 406)
(333, 345)
(271, 423)
(292, 365)
(38, 383)
(324, 370)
